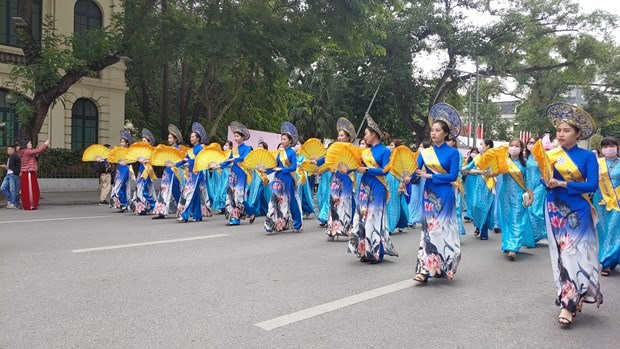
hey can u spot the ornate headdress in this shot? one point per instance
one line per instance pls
(563, 112)
(149, 136)
(197, 127)
(374, 126)
(345, 125)
(290, 129)
(126, 135)
(237, 127)
(446, 113)
(173, 130)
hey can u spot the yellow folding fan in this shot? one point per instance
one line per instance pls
(139, 151)
(260, 159)
(95, 152)
(342, 156)
(165, 154)
(403, 162)
(117, 155)
(313, 149)
(494, 160)
(213, 145)
(544, 163)
(207, 159)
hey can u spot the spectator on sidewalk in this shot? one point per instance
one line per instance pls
(104, 170)
(29, 184)
(10, 184)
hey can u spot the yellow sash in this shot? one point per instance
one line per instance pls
(490, 181)
(516, 173)
(284, 160)
(566, 167)
(610, 196)
(148, 172)
(370, 162)
(432, 162)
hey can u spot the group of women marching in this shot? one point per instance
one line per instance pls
(528, 192)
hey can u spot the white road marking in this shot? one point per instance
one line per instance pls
(114, 247)
(56, 219)
(331, 306)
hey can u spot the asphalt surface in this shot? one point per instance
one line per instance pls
(211, 293)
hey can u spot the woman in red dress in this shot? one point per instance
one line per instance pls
(29, 185)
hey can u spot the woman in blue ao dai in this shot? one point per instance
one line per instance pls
(608, 206)
(259, 192)
(397, 209)
(170, 188)
(121, 191)
(194, 200)
(237, 206)
(370, 239)
(439, 253)
(483, 195)
(284, 209)
(571, 231)
(536, 210)
(513, 215)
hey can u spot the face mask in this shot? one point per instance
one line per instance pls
(514, 150)
(226, 147)
(610, 152)
(530, 147)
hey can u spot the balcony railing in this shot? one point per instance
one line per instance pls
(12, 58)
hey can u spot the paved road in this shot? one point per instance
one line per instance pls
(210, 292)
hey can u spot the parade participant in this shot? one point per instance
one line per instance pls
(396, 208)
(306, 200)
(144, 197)
(194, 200)
(341, 204)
(370, 239)
(416, 200)
(237, 206)
(440, 247)
(460, 193)
(170, 191)
(259, 191)
(513, 214)
(570, 227)
(219, 181)
(483, 194)
(323, 190)
(470, 186)
(536, 210)
(284, 209)
(606, 201)
(124, 172)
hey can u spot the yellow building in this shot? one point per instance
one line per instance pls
(93, 110)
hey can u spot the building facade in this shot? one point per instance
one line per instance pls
(93, 110)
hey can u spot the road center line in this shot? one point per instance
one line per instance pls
(331, 306)
(56, 219)
(114, 247)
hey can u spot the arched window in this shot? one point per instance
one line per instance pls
(10, 9)
(84, 124)
(9, 125)
(86, 16)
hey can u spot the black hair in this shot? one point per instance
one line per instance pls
(263, 145)
(456, 143)
(527, 151)
(23, 143)
(397, 142)
(607, 141)
(229, 143)
(240, 134)
(426, 144)
(489, 143)
(11, 146)
(474, 149)
(445, 128)
(175, 137)
(521, 158)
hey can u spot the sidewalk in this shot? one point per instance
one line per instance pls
(65, 198)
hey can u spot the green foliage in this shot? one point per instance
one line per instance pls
(63, 163)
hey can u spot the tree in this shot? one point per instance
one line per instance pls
(57, 62)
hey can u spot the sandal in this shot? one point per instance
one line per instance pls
(606, 272)
(512, 256)
(252, 219)
(476, 233)
(421, 278)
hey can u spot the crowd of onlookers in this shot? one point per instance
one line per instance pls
(20, 186)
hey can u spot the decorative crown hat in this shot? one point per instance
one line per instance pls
(173, 130)
(237, 127)
(563, 112)
(124, 134)
(343, 124)
(446, 113)
(149, 136)
(374, 126)
(197, 127)
(291, 130)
